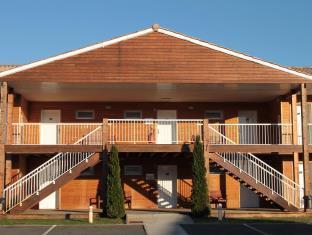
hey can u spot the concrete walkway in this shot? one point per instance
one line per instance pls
(157, 223)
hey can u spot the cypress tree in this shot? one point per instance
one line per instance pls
(115, 198)
(200, 200)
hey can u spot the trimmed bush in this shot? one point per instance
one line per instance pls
(200, 200)
(115, 198)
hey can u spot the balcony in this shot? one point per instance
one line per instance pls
(151, 135)
(251, 134)
(120, 131)
(150, 131)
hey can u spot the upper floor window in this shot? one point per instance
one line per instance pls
(85, 114)
(214, 114)
(133, 114)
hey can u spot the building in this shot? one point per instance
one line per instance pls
(151, 93)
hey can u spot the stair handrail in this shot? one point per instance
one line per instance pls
(43, 166)
(51, 159)
(258, 159)
(267, 168)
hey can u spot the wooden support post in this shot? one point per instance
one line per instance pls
(105, 138)
(3, 131)
(206, 150)
(295, 136)
(305, 143)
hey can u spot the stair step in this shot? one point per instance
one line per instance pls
(262, 190)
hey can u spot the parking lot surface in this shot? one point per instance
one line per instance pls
(250, 228)
(74, 230)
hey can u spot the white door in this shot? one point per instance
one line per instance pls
(247, 133)
(248, 199)
(48, 135)
(301, 183)
(167, 186)
(166, 129)
(48, 126)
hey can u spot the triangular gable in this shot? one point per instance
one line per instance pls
(157, 47)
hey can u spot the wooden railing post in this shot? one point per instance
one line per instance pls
(105, 133)
(305, 143)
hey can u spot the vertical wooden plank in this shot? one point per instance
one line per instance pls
(3, 111)
(22, 164)
(8, 169)
(294, 118)
(304, 117)
(232, 188)
(2, 168)
(10, 118)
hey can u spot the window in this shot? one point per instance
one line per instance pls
(85, 114)
(133, 114)
(214, 115)
(132, 170)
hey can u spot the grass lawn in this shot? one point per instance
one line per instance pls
(302, 219)
(60, 221)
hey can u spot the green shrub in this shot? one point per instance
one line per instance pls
(115, 198)
(200, 200)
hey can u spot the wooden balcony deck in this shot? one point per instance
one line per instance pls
(152, 135)
(174, 148)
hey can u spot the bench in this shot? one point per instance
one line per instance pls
(98, 202)
(216, 197)
(128, 199)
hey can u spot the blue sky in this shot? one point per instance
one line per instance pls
(275, 30)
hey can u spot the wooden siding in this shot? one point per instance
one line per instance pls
(149, 110)
(77, 193)
(152, 58)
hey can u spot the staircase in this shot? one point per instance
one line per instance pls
(48, 177)
(258, 176)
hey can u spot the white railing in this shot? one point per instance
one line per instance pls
(53, 133)
(262, 173)
(154, 131)
(45, 174)
(262, 134)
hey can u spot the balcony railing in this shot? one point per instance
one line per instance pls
(55, 133)
(121, 131)
(151, 131)
(154, 131)
(255, 134)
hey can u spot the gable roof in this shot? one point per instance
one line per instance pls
(306, 69)
(156, 28)
(4, 67)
